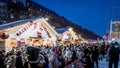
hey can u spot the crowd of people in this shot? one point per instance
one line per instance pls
(60, 56)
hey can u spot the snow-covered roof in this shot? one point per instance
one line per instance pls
(16, 23)
(62, 30)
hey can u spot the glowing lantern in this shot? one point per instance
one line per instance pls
(4, 35)
(39, 34)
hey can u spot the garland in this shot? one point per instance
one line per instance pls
(24, 29)
(46, 30)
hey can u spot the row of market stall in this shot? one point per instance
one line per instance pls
(34, 32)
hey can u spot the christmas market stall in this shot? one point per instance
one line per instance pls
(29, 32)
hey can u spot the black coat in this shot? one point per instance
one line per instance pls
(19, 62)
(114, 53)
(87, 63)
(2, 60)
(95, 55)
(74, 57)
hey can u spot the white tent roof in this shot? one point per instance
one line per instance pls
(47, 32)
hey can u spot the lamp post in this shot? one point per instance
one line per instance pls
(110, 30)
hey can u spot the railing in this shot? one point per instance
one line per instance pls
(75, 64)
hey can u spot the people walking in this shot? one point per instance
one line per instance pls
(87, 63)
(114, 55)
(2, 60)
(53, 60)
(11, 62)
(19, 62)
(95, 55)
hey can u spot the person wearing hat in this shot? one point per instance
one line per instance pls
(113, 54)
(53, 60)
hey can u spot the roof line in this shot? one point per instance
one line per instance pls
(16, 23)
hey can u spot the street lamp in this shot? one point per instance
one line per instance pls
(110, 30)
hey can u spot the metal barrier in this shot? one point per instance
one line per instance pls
(75, 64)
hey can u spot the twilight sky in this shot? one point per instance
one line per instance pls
(94, 15)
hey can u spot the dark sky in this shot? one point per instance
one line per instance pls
(94, 15)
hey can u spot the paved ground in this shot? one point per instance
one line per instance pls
(104, 64)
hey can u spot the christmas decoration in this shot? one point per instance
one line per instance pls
(4, 35)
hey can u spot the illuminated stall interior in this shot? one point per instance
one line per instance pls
(31, 33)
(67, 35)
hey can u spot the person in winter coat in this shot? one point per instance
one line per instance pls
(2, 60)
(19, 62)
(74, 57)
(114, 55)
(54, 61)
(95, 55)
(68, 56)
(87, 63)
(11, 62)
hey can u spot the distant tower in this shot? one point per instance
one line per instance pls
(115, 16)
(116, 33)
(116, 29)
